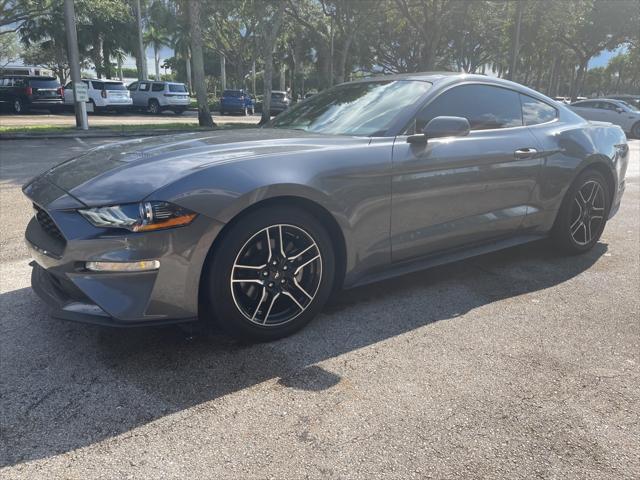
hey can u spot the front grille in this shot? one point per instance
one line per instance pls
(47, 223)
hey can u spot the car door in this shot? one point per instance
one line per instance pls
(133, 91)
(618, 115)
(142, 96)
(455, 191)
(588, 110)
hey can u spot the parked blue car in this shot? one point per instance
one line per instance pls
(239, 101)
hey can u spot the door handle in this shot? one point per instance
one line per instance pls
(525, 153)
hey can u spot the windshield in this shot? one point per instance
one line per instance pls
(108, 85)
(44, 83)
(361, 108)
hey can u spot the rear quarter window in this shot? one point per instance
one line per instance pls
(157, 87)
(177, 88)
(535, 112)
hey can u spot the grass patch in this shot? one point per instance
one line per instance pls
(186, 127)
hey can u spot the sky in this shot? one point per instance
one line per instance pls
(602, 59)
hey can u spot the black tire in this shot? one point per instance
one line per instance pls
(178, 111)
(635, 130)
(18, 106)
(296, 224)
(154, 107)
(570, 232)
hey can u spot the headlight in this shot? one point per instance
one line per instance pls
(139, 217)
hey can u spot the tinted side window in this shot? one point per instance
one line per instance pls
(484, 106)
(586, 105)
(98, 85)
(157, 87)
(535, 112)
(133, 87)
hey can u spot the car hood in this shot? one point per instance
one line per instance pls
(131, 170)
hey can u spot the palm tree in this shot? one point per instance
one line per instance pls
(195, 34)
(157, 38)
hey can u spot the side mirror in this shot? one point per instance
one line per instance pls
(619, 109)
(440, 127)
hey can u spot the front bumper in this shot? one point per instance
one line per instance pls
(120, 299)
(68, 302)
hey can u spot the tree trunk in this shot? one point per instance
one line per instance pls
(141, 57)
(187, 67)
(156, 58)
(283, 77)
(515, 45)
(576, 86)
(120, 68)
(204, 115)
(270, 34)
(342, 64)
(223, 71)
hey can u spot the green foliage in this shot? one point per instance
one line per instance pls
(324, 42)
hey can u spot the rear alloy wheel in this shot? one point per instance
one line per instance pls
(154, 107)
(271, 275)
(583, 214)
(17, 106)
(635, 131)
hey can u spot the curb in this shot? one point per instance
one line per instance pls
(94, 134)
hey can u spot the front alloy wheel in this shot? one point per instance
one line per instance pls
(276, 275)
(271, 274)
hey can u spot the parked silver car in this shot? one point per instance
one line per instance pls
(617, 112)
(280, 101)
(154, 97)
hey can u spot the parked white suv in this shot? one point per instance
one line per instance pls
(154, 97)
(103, 95)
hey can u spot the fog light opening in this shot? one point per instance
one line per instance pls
(140, 266)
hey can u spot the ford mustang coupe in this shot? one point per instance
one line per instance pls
(254, 228)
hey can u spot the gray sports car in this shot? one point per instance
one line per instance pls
(256, 227)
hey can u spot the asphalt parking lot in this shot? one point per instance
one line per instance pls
(517, 364)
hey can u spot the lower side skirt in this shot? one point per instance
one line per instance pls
(448, 256)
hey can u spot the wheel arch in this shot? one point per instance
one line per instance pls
(602, 165)
(314, 208)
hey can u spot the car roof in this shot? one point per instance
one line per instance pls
(30, 77)
(103, 80)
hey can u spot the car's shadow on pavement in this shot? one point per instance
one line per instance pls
(67, 385)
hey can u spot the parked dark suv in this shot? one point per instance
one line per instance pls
(24, 92)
